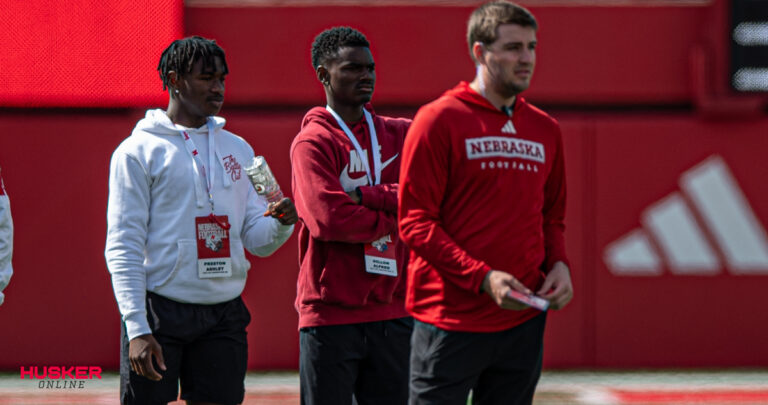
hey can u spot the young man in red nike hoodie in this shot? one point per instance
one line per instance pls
(354, 330)
(482, 203)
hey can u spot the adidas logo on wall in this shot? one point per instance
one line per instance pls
(726, 234)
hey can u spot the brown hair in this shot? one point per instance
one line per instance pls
(484, 21)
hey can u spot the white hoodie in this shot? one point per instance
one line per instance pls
(155, 193)
(6, 241)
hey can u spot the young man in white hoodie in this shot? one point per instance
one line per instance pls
(6, 241)
(181, 210)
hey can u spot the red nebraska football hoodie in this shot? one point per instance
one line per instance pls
(479, 191)
(333, 287)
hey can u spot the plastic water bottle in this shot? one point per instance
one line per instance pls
(263, 180)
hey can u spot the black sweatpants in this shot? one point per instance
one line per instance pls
(204, 346)
(499, 367)
(366, 360)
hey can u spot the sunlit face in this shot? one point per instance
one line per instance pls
(351, 76)
(508, 62)
(201, 91)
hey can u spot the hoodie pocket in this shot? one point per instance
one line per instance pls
(240, 264)
(344, 281)
(186, 256)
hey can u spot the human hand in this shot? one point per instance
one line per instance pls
(140, 352)
(283, 210)
(557, 287)
(497, 284)
(355, 196)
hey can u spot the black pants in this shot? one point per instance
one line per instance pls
(204, 346)
(499, 367)
(368, 360)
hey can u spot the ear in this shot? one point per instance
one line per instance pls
(478, 50)
(322, 75)
(173, 80)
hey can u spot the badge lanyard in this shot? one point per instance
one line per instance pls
(375, 151)
(208, 176)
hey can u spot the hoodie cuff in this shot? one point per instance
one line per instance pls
(381, 197)
(550, 263)
(283, 229)
(478, 277)
(369, 198)
(136, 325)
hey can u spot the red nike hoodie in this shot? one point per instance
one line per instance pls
(333, 287)
(479, 191)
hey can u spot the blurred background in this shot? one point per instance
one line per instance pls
(664, 118)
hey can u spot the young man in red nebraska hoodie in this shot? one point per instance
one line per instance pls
(482, 200)
(354, 330)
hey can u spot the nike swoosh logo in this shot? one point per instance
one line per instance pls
(385, 164)
(349, 184)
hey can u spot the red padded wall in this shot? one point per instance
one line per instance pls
(60, 307)
(586, 55)
(674, 319)
(84, 52)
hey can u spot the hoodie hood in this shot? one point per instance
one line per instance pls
(465, 93)
(157, 122)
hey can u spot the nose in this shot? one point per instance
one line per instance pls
(527, 56)
(369, 74)
(218, 86)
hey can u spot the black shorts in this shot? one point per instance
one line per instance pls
(204, 346)
(367, 361)
(499, 367)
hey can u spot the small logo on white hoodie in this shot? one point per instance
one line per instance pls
(232, 167)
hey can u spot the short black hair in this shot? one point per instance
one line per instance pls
(327, 43)
(183, 53)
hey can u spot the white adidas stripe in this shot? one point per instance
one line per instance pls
(633, 255)
(509, 128)
(683, 243)
(726, 213)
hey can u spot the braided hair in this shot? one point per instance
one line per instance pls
(183, 53)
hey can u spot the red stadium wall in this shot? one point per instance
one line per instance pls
(641, 97)
(609, 55)
(84, 52)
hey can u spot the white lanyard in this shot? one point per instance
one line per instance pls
(207, 176)
(374, 145)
